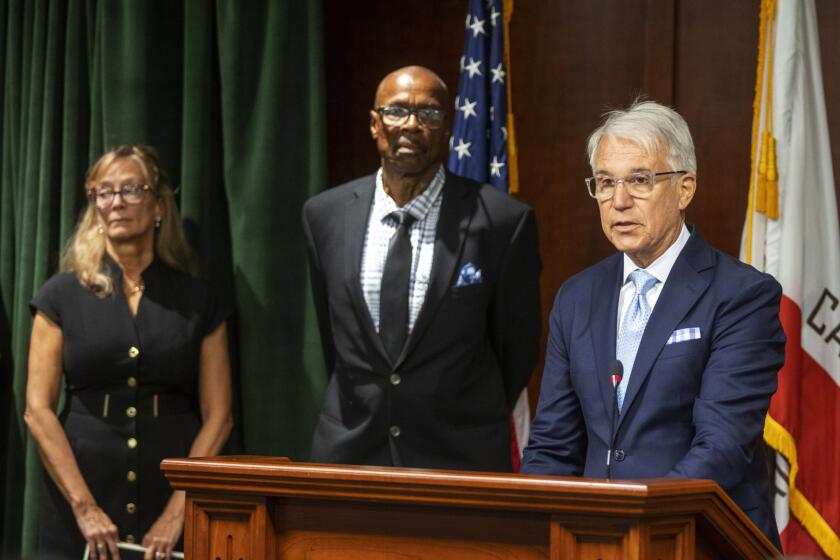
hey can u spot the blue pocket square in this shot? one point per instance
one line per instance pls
(469, 276)
(684, 335)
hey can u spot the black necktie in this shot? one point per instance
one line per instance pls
(393, 293)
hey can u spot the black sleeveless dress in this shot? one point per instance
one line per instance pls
(130, 395)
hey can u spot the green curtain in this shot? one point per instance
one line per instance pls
(231, 94)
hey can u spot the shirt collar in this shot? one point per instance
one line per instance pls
(111, 268)
(384, 205)
(661, 267)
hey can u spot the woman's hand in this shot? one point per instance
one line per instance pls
(166, 530)
(42, 388)
(216, 423)
(98, 530)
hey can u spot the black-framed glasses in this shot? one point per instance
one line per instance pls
(638, 185)
(131, 194)
(394, 115)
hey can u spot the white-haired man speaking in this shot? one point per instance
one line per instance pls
(696, 332)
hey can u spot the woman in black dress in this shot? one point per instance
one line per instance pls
(142, 347)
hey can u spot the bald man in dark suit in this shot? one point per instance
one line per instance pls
(426, 287)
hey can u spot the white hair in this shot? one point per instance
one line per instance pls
(651, 125)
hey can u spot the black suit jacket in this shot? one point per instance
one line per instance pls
(446, 402)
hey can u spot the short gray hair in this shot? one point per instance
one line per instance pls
(652, 126)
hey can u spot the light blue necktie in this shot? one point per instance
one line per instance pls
(633, 327)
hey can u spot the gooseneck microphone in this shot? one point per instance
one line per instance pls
(616, 369)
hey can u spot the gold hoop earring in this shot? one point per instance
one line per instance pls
(99, 229)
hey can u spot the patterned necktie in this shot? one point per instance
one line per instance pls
(633, 327)
(393, 292)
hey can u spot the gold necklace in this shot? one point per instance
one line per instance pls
(135, 286)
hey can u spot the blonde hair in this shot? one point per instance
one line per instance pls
(86, 247)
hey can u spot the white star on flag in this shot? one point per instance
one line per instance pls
(477, 26)
(472, 67)
(493, 15)
(496, 167)
(481, 108)
(463, 149)
(468, 108)
(498, 73)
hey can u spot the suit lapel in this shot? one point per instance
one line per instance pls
(456, 211)
(604, 316)
(681, 291)
(356, 218)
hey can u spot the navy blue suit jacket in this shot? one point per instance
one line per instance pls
(692, 409)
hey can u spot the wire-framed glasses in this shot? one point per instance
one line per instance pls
(104, 195)
(638, 185)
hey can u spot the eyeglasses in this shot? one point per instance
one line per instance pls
(638, 185)
(430, 117)
(131, 194)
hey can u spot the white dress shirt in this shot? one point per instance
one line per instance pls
(659, 269)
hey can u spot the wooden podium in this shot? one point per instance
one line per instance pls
(266, 508)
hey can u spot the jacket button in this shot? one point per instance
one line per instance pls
(395, 431)
(129, 539)
(131, 412)
(133, 352)
(132, 381)
(131, 476)
(132, 443)
(130, 507)
(395, 379)
(618, 455)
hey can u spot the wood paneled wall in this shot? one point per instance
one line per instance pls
(572, 60)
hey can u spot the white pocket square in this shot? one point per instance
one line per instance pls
(684, 335)
(469, 276)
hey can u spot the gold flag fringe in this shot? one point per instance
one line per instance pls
(513, 156)
(762, 153)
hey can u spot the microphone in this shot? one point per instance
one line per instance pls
(616, 369)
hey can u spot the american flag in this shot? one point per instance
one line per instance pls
(478, 148)
(479, 143)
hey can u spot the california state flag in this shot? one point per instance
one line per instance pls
(791, 232)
